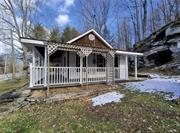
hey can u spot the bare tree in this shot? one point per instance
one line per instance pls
(177, 9)
(94, 14)
(137, 19)
(152, 18)
(126, 34)
(169, 10)
(127, 6)
(119, 40)
(18, 15)
(144, 21)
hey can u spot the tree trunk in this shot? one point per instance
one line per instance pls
(137, 21)
(13, 57)
(152, 16)
(177, 10)
(144, 24)
(25, 60)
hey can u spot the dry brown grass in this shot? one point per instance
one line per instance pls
(65, 90)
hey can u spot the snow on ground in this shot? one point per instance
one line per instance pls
(166, 84)
(9, 76)
(107, 98)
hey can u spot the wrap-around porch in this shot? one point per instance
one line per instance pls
(70, 66)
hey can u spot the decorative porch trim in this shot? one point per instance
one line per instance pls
(104, 55)
(86, 51)
(112, 53)
(81, 54)
(52, 49)
(66, 49)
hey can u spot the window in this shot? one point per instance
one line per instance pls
(116, 61)
(100, 61)
(77, 61)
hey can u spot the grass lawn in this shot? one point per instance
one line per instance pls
(138, 112)
(9, 85)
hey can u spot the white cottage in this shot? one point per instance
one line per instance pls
(87, 58)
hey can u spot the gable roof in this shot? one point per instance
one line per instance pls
(89, 31)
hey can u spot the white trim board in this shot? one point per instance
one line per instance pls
(128, 53)
(92, 30)
(31, 41)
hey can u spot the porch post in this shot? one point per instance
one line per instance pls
(135, 63)
(113, 71)
(81, 73)
(48, 74)
(31, 74)
(126, 67)
(119, 67)
(86, 70)
(84, 53)
(110, 62)
(106, 68)
(33, 57)
(45, 66)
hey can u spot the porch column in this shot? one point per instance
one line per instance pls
(135, 63)
(113, 71)
(31, 74)
(86, 69)
(106, 67)
(126, 66)
(81, 55)
(45, 66)
(81, 73)
(119, 67)
(110, 65)
(33, 57)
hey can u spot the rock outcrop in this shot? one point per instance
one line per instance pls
(162, 48)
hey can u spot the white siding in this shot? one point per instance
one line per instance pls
(123, 67)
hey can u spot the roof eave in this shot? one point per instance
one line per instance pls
(32, 41)
(129, 53)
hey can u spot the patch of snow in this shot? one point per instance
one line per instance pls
(107, 98)
(165, 84)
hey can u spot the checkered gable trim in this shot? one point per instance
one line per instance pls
(52, 48)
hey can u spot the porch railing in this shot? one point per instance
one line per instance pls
(68, 75)
(94, 74)
(37, 76)
(64, 75)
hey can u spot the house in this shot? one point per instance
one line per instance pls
(162, 47)
(87, 58)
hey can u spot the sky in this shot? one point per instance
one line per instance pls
(53, 13)
(59, 13)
